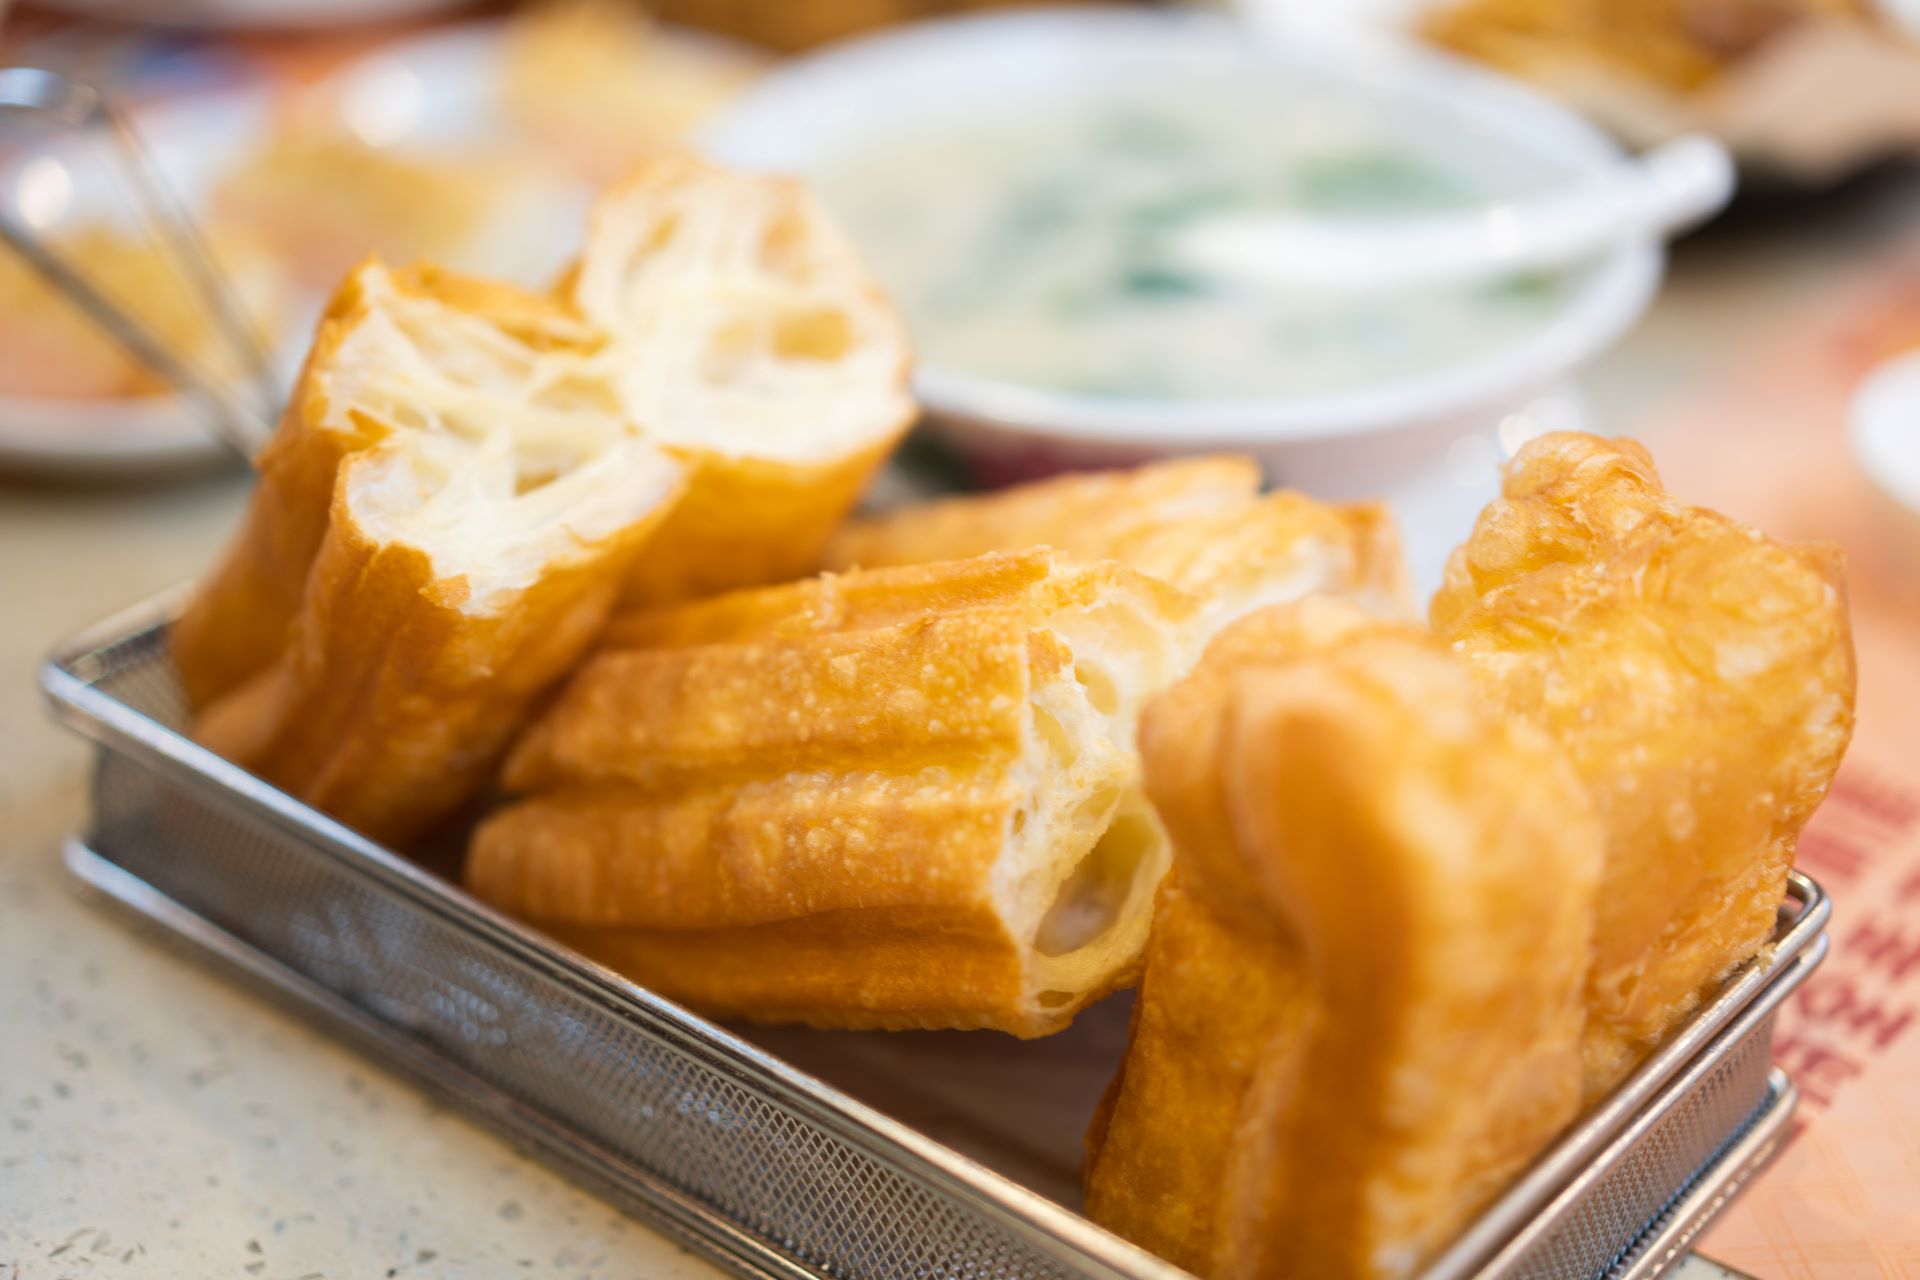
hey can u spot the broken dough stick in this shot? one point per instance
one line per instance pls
(748, 340)
(473, 511)
(896, 798)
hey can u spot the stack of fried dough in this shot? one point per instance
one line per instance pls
(1435, 890)
(472, 477)
(571, 571)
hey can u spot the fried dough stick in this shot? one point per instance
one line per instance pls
(896, 798)
(1200, 524)
(472, 515)
(1360, 1014)
(1700, 678)
(237, 622)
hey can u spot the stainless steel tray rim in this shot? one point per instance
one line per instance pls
(1744, 1002)
(1766, 980)
(1736, 1029)
(111, 722)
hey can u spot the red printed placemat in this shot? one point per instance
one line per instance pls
(1768, 444)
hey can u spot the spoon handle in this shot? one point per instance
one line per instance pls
(1656, 195)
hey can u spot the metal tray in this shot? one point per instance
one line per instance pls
(769, 1169)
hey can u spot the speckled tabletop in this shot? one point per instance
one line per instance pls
(156, 1121)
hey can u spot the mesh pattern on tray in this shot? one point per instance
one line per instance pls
(622, 1081)
(710, 1137)
(1605, 1225)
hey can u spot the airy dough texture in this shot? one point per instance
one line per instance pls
(1700, 678)
(1200, 524)
(895, 798)
(459, 492)
(443, 524)
(1361, 1008)
(380, 332)
(750, 342)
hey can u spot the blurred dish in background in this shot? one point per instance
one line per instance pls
(1806, 91)
(323, 200)
(1013, 188)
(477, 146)
(50, 349)
(251, 13)
(792, 25)
(603, 84)
(584, 86)
(73, 400)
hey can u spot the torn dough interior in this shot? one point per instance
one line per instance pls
(1085, 851)
(504, 457)
(743, 321)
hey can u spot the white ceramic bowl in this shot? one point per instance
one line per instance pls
(1382, 439)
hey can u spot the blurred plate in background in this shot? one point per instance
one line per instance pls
(251, 13)
(70, 186)
(1806, 92)
(476, 147)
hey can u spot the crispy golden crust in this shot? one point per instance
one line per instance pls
(1699, 676)
(746, 521)
(1198, 523)
(951, 685)
(1361, 1007)
(879, 597)
(1277, 548)
(1085, 513)
(238, 620)
(854, 801)
(392, 703)
(723, 971)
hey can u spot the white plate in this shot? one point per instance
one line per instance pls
(1886, 444)
(444, 84)
(440, 89)
(251, 13)
(191, 142)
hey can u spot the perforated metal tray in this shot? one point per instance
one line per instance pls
(769, 1169)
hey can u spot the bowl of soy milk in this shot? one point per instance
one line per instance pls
(1015, 181)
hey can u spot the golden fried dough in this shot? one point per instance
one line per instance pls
(1361, 1008)
(444, 522)
(1700, 678)
(1681, 46)
(1198, 523)
(237, 622)
(896, 798)
(1073, 512)
(750, 342)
